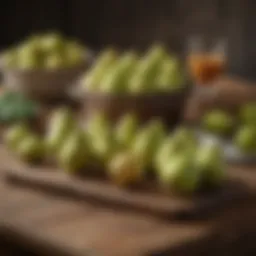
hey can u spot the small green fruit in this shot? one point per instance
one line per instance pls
(125, 169)
(31, 148)
(184, 138)
(245, 139)
(60, 126)
(126, 129)
(165, 151)
(103, 145)
(73, 154)
(170, 76)
(54, 61)
(210, 163)
(74, 54)
(179, 174)
(219, 122)
(112, 82)
(137, 83)
(15, 135)
(52, 43)
(97, 124)
(147, 141)
(106, 59)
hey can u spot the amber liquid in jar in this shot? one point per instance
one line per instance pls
(205, 68)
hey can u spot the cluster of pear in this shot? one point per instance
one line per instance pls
(126, 151)
(47, 51)
(157, 70)
(241, 128)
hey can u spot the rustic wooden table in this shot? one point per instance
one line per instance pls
(48, 224)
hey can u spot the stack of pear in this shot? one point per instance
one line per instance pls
(130, 73)
(47, 51)
(125, 151)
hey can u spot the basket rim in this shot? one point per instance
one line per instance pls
(79, 94)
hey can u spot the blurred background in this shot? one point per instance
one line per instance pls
(138, 23)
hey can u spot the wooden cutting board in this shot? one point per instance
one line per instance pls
(147, 199)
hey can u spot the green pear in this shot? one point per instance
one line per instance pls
(182, 141)
(151, 64)
(28, 61)
(210, 163)
(163, 81)
(179, 174)
(72, 155)
(157, 131)
(125, 67)
(248, 113)
(106, 58)
(177, 81)
(156, 54)
(218, 122)
(166, 150)
(103, 146)
(116, 79)
(170, 76)
(93, 78)
(126, 129)
(30, 47)
(31, 148)
(127, 64)
(100, 134)
(184, 138)
(112, 82)
(142, 147)
(74, 54)
(54, 61)
(147, 141)
(245, 139)
(52, 43)
(97, 123)
(14, 135)
(138, 83)
(147, 71)
(125, 169)
(60, 126)
(29, 55)
(96, 76)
